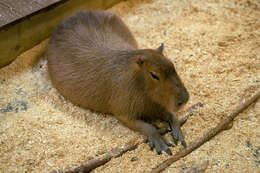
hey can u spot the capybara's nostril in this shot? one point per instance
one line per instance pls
(180, 103)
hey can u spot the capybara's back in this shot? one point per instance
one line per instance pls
(81, 55)
(94, 62)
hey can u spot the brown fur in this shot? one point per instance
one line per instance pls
(94, 62)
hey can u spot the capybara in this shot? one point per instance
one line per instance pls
(94, 62)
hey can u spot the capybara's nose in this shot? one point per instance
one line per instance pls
(183, 98)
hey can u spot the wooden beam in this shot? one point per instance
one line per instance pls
(25, 29)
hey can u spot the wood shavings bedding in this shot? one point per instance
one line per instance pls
(215, 46)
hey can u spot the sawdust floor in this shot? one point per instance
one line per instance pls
(215, 46)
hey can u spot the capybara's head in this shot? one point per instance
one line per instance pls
(160, 80)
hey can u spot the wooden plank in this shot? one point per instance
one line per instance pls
(12, 10)
(26, 32)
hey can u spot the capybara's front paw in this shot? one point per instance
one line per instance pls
(177, 135)
(156, 141)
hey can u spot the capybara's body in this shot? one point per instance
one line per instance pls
(94, 62)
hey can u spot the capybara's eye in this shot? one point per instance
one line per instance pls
(154, 76)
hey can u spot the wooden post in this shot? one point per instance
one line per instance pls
(20, 29)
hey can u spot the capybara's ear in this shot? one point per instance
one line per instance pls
(140, 60)
(160, 48)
